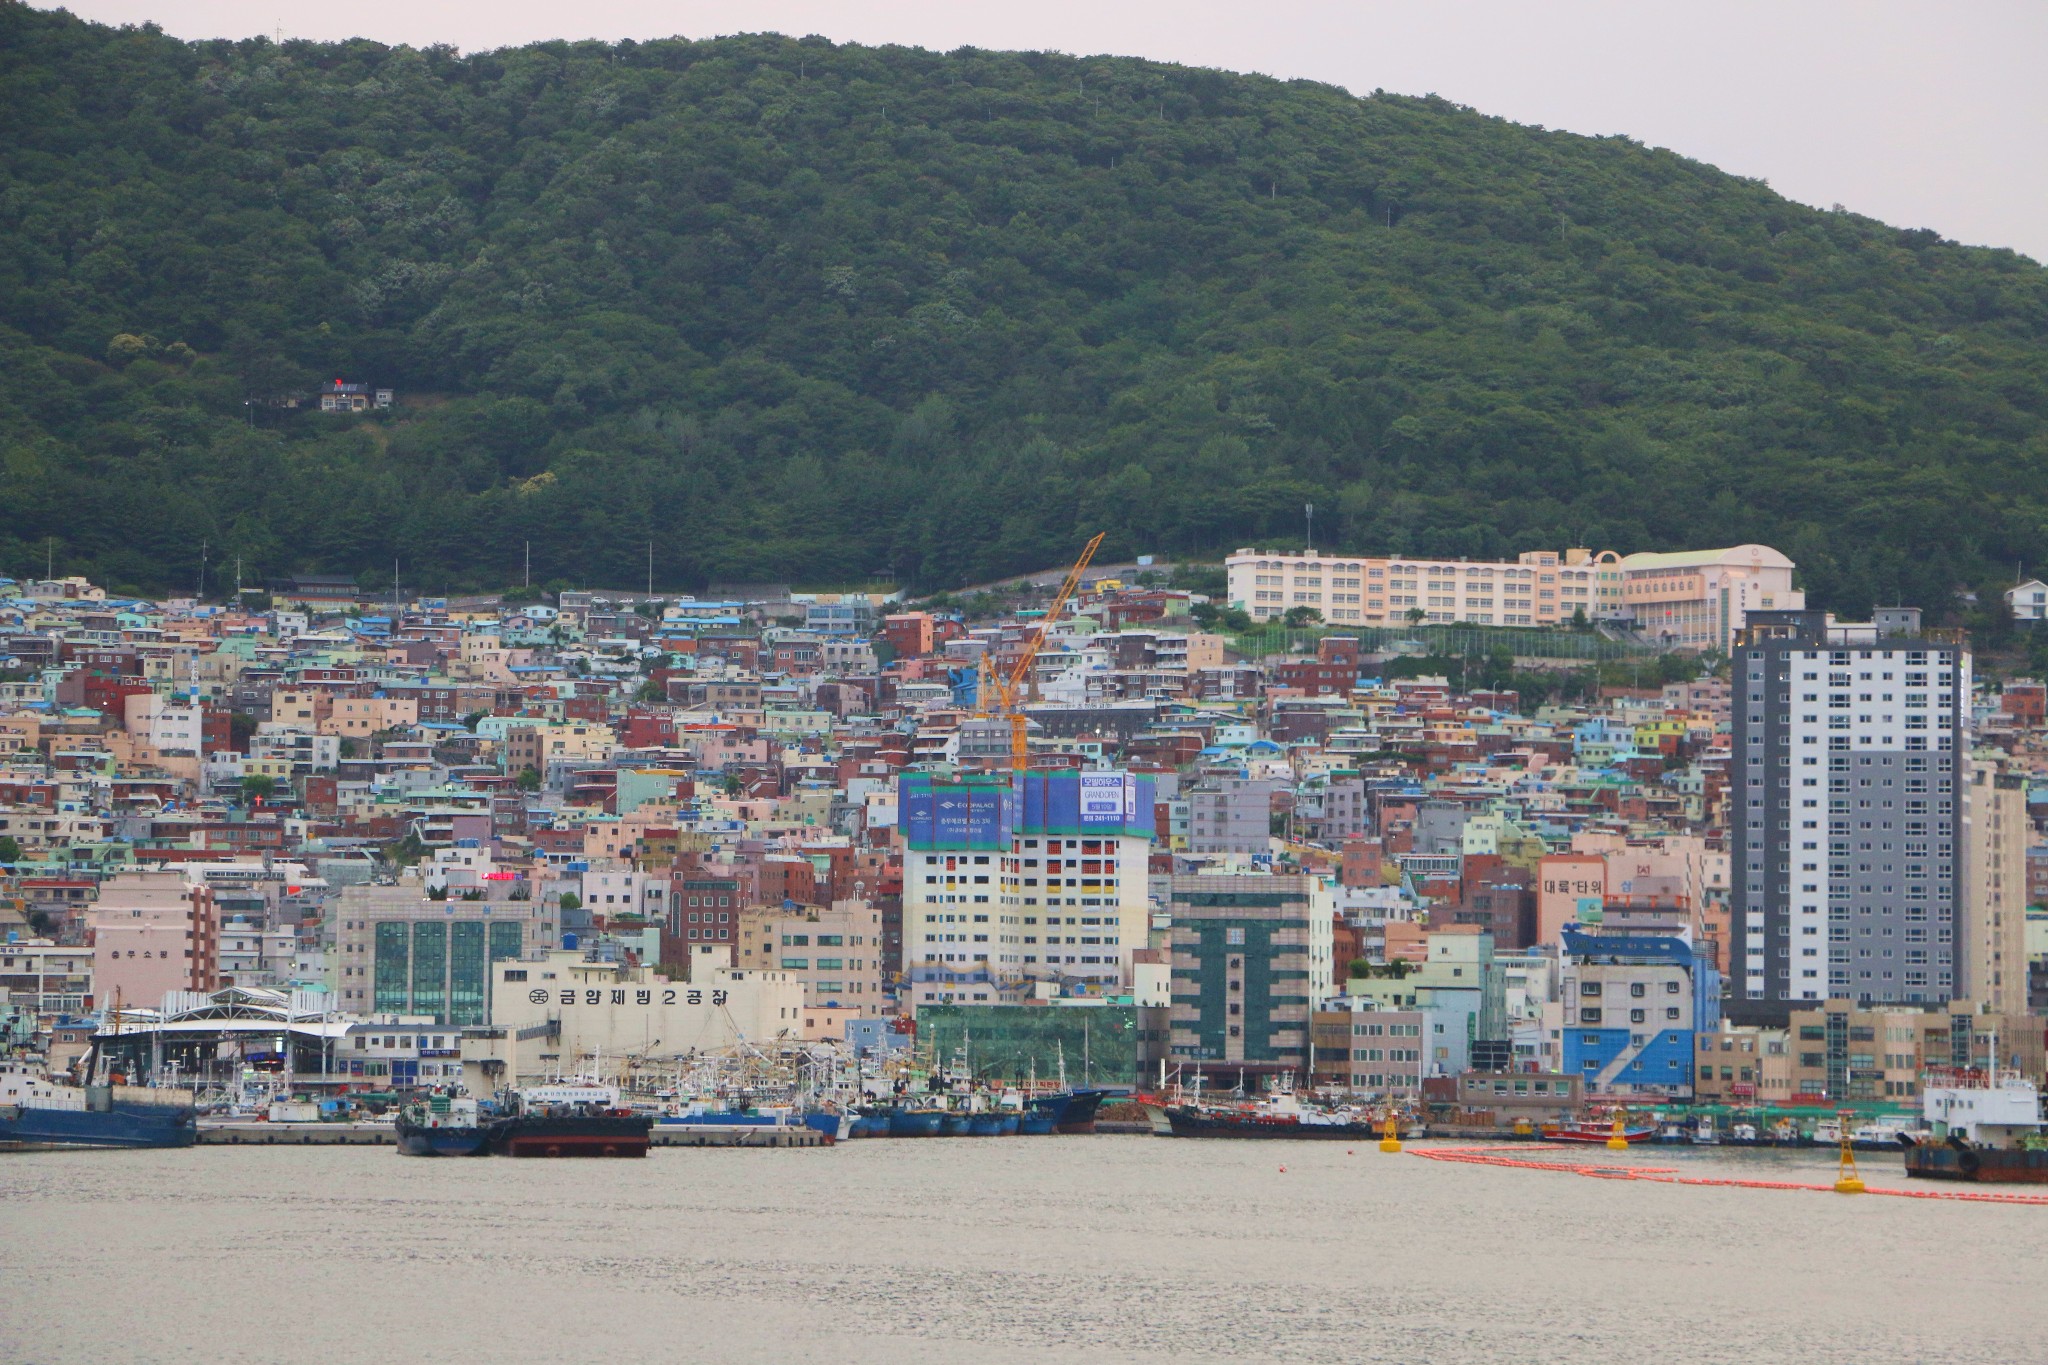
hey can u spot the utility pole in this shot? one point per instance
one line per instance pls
(1309, 510)
(650, 570)
(202, 572)
(526, 579)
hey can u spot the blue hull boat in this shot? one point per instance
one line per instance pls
(415, 1140)
(121, 1125)
(916, 1122)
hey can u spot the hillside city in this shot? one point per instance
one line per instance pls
(1489, 840)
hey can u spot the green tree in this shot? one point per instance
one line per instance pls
(528, 780)
(258, 787)
(848, 360)
(10, 849)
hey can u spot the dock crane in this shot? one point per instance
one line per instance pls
(1002, 695)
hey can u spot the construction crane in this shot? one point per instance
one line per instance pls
(1002, 695)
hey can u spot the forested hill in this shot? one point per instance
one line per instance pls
(802, 311)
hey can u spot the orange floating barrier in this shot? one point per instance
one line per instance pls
(1669, 1175)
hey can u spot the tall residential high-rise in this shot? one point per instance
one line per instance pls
(1041, 877)
(1846, 812)
(1992, 967)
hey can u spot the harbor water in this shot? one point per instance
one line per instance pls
(1057, 1249)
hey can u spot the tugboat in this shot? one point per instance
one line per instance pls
(568, 1119)
(442, 1125)
(38, 1110)
(1986, 1128)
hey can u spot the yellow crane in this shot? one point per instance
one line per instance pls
(1002, 695)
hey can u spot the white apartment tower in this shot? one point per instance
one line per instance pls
(1011, 882)
(1847, 792)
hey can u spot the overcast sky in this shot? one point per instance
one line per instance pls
(1920, 113)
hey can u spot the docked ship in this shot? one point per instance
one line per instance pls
(1072, 1111)
(914, 1121)
(1985, 1127)
(705, 1116)
(568, 1119)
(442, 1125)
(37, 1110)
(1276, 1116)
(1592, 1131)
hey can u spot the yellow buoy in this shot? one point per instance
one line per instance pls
(1617, 1136)
(1847, 1181)
(1390, 1133)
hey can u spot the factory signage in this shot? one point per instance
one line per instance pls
(614, 995)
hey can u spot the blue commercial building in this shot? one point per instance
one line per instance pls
(1633, 1006)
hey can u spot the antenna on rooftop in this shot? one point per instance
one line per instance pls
(1309, 511)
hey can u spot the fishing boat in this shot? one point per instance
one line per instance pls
(1280, 1115)
(1985, 1127)
(568, 1119)
(1595, 1130)
(1073, 1111)
(909, 1122)
(442, 1125)
(1883, 1134)
(38, 1110)
(1783, 1133)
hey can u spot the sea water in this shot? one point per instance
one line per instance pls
(994, 1250)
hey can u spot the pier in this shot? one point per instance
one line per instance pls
(256, 1133)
